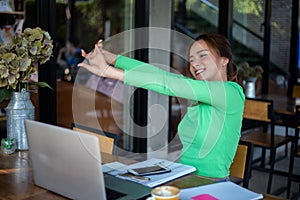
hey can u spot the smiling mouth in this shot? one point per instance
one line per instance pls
(199, 71)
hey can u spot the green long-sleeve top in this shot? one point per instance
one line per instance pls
(210, 129)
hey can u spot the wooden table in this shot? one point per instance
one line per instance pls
(16, 178)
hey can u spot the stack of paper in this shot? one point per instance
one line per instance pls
(177, 170)
(223, 191)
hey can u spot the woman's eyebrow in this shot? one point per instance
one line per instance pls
(198, 52)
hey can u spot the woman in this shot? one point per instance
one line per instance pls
(210, 130)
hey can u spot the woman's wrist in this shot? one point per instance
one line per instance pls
(113, 73)
(110, 57)
(104, 72)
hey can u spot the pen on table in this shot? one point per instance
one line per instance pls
(136, 177)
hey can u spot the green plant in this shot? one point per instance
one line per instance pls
(247, 72)
(20, 58)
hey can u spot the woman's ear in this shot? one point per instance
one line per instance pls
(225, 61)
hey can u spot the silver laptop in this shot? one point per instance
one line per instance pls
(69, 163)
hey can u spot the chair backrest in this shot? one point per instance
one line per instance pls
(107, 141)
(296, 91)
(258, 110)
(241, 166)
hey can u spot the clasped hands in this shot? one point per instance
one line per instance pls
(96, 60)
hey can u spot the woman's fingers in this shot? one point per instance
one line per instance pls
(90, 68)
(86, 56)
(97, 49)
(100, 44)
(84, 65)
(83, 53)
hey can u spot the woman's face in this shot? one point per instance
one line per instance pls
(205, 64)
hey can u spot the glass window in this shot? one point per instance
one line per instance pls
(248, 34)
(82, 97)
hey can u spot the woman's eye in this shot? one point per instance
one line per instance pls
(202, 55)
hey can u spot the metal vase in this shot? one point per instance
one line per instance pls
(19, 108)
(250, 88)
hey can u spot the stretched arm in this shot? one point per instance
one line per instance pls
(147, 76)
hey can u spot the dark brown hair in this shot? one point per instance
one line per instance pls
(221, 46)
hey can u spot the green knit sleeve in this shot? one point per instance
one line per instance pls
(144, 75)
(123, 62)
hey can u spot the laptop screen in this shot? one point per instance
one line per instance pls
(65, 162)
(69, 163)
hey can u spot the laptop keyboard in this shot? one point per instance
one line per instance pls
(112, 194)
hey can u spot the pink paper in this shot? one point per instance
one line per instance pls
(204, 197)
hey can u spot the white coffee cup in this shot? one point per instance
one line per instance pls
(164, 193)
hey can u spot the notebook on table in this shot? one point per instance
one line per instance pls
(69, 163)
(176, 170)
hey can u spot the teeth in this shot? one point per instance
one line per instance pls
(199, 71)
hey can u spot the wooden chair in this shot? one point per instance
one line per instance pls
(240, 169)
(288, 120)
(292, 176)
(262, 110)
(295, 153)
(293, 121)
(107, 141)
